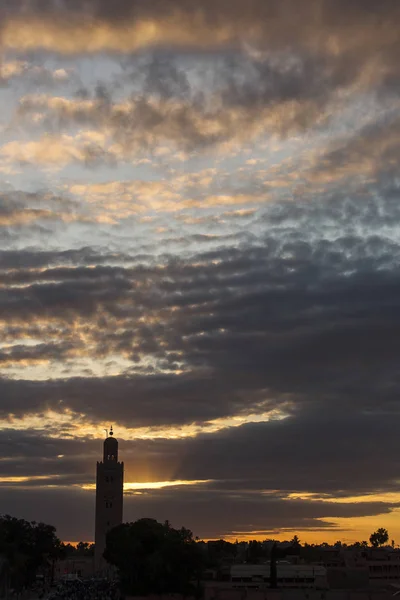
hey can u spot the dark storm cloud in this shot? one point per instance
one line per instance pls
(30, 211)
(332, 13)
(306, 452)
(219, 515)
(373, 152)
(348, 35)
(237, 79)
(290, 319)
(16, 444)
(321, 455)
(25, 259)
(294, 455)
(59, 507)
(140, 400)
(40, 352)
(311, 451)
(193, 508)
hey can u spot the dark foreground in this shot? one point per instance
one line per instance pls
(85, 590)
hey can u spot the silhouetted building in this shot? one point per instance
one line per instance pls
(74, 567)
(109, 496)
(288, 576)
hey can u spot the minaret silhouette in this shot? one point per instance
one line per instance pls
(109, 496)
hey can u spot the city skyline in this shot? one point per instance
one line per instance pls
(200, 244)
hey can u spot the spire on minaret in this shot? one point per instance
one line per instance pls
(110, 447)
(111, 431)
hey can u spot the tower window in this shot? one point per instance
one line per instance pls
(107, 479)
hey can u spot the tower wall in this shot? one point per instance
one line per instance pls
(109, 497)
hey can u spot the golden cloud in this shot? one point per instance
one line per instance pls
(319, 25)
(138, 127)
(75, 36)
(70, 424)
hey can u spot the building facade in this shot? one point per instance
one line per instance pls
(109, 496)
(74, 567)
(288, 576)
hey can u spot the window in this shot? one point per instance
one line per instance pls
(107, 479)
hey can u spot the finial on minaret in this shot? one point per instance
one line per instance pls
(106, 430)
(111, 431)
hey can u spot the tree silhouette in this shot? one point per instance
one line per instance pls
(379, 537)
(84, 549)
(295, 541)
(27, 546)
(153, 557)
(273, 573)
(254, 552)
(295, 547)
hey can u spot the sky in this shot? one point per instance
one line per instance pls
(199, 244)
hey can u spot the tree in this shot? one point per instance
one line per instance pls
(379, 537)
(218, 552)
(295, 548)
(254, 552)
(84, 549)
(295, 541)
(153, 557)
(27, 547)
(273, 573)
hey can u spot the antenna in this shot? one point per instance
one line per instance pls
(106, 430)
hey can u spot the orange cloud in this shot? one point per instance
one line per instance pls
(74, 35)
(137, 126)
(320, 26)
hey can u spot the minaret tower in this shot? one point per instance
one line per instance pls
(109, 496)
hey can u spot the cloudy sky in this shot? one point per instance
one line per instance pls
(199, 244)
